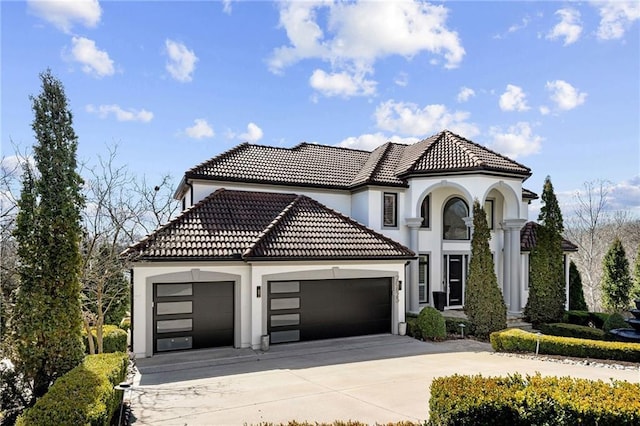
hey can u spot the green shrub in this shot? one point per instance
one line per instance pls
(590, 319)
(431, 324)
(125, 324)
(412, 327)
(83, 396)
(515, 340)
(453, 326)
(114, 339)
(572, 330)
(532, 400)
(614, 321)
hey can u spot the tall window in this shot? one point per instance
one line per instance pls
(455, 210)
(423, 278)
(488, 209)
(425, 210)
(390, 210)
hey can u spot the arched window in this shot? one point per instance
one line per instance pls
(455, 210)
(425, 212)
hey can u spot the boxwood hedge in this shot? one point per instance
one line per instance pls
(573, 330)
(515, 340)
(532, 400)
(586, 318)
(114, 339)
(83, 396)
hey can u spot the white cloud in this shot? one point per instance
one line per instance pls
(200, 129)
(411, 120)
(625, 195)
(544, 110)
(565, 96)
(103, 111)
(341, 84)
(616, 17)
(516, 141)
(182, 61)
(569, 27)
(514, 28)
(402, 79)
(226, 6)
(355, 35)
(253, 133)
(370, 141)
(64, 13)
(94, 61)
(514, 99)
(465, 94)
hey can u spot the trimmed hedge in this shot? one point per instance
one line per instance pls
(533, 400)
(453, 326)
(431, 324)
(586, 318)
(516, 340)
(125, 324)
(614, 321)
(114, 339)
(573, 330)
(83, 396)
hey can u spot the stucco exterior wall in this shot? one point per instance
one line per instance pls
(250, 311)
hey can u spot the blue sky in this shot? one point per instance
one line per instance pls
(554, 85)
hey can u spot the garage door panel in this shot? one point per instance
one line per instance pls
(335, 308)
(193, 315)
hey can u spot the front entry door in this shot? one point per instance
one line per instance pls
(455, 268)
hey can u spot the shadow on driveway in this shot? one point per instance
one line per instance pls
(207, 363)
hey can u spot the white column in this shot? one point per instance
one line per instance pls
(512, 263)
(414, 300)
(506, 264)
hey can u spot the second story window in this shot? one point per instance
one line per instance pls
(455, 210)
(425, 212)
(390, 210)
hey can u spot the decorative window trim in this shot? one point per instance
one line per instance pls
(392, 198)
(489, 211)
(426, 216)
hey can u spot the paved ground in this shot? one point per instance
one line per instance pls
(371, 379)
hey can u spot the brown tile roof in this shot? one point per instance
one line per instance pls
(343, 168)
(527, 194)
(263, 226)
(528, 238)
(447, 152)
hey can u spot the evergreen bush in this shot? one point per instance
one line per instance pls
(572, 330)
(616, 281)
(484, 303)
(576, 293)
(614, 321)
(431, 324)
(114, 339)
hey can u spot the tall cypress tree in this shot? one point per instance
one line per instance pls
(576, 294)
(546, 273)
(616, 281)
(635, 291)
(46, 321)
(484, 304)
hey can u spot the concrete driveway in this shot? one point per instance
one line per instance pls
(371, 379)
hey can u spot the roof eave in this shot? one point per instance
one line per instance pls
(191, 175)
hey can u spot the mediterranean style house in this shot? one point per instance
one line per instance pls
(317, 241)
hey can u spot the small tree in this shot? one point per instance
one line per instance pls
(616, 282)
(635, 291)
(546, 274)
(484, 304)
(576, 295)
(46, 320)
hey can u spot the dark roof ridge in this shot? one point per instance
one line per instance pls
(385, 150)
(269, 228)
(486, 148)
(147, 238)
(303, 144)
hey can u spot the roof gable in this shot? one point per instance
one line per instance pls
(246, 225)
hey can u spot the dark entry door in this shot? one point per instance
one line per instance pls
(192, 315)
(322, 309)
(455, 268)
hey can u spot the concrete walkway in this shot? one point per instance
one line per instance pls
(371, 379)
